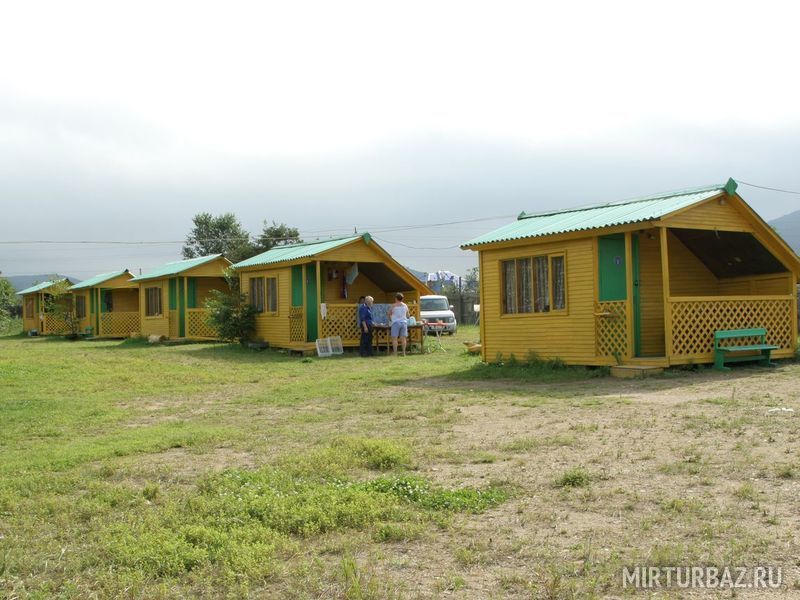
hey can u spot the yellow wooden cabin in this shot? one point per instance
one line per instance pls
(172, 297)
(307, 291)
(37, 315)
(107, 305)
(642, 282)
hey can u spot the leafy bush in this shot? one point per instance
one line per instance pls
(231, 314)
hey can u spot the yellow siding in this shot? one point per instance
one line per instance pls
(569, 336)
(687, 275)
(355, 252)
(710, 215)
(204, 285)
(125, 300)
(154, 325)
(651, 291)
(273, 328)
(772, 285)
(215, 268)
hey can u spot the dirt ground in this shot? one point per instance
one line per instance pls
(686, 469)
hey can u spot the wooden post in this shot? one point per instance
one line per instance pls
(664, 233)
(319, 297)
(185, 307)
(629, 310)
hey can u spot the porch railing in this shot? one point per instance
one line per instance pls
(297, 324)
(196, 326)
(56, 324)
(119, 324)
(695, 319)
(611, 329)
(340, 320)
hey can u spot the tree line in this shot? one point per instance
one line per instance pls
(224, 234)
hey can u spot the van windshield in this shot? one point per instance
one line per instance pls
(430, 304)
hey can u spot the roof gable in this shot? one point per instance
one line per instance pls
(98, 279)
(292, 252)
(39, 287)
(599, 216)
(179, 266)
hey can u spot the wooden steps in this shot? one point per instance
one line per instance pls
(635, 371)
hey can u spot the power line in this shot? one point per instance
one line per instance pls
(764, 187)
(415, 247)
(397, 228)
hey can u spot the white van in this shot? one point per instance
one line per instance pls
(437, 309)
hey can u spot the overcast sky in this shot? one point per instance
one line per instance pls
(121, 123)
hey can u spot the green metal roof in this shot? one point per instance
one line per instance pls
(297, 251)
(175, 267)
(93, 281)
(598, 216)
(41, 286)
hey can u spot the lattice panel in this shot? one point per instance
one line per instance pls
(196, 326)
(694, 323)
(55, 324)
(612, 329)
(297, 324)
(119, 324)
(341, 321)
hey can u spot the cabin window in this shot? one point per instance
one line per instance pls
(257, 294)
(517, 286)
(108, 301)
(152, 307)
(28, 308)
(536, 284)
(80, 307)
(272, 294)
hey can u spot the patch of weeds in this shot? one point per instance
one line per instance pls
(528, 443)
(785, 471)
(483, 458)
(575, 477)
(746, 491)
(682, 505)
(239, 522)
(468, 557)
(399, 532)
(150, 491)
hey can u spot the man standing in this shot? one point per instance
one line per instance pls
(365, 324)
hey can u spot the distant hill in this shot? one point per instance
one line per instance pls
(20, 282)
(788, 226)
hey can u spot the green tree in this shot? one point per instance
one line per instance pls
(276, 234)
(222, 234)
(230, 313)
(59, 302)
(8, 303)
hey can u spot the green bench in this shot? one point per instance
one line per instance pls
(723, 354)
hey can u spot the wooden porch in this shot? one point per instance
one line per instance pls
(674, 303)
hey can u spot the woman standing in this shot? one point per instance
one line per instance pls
(398, 317)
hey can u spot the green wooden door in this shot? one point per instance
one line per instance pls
(611, 268)
(311, 302)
